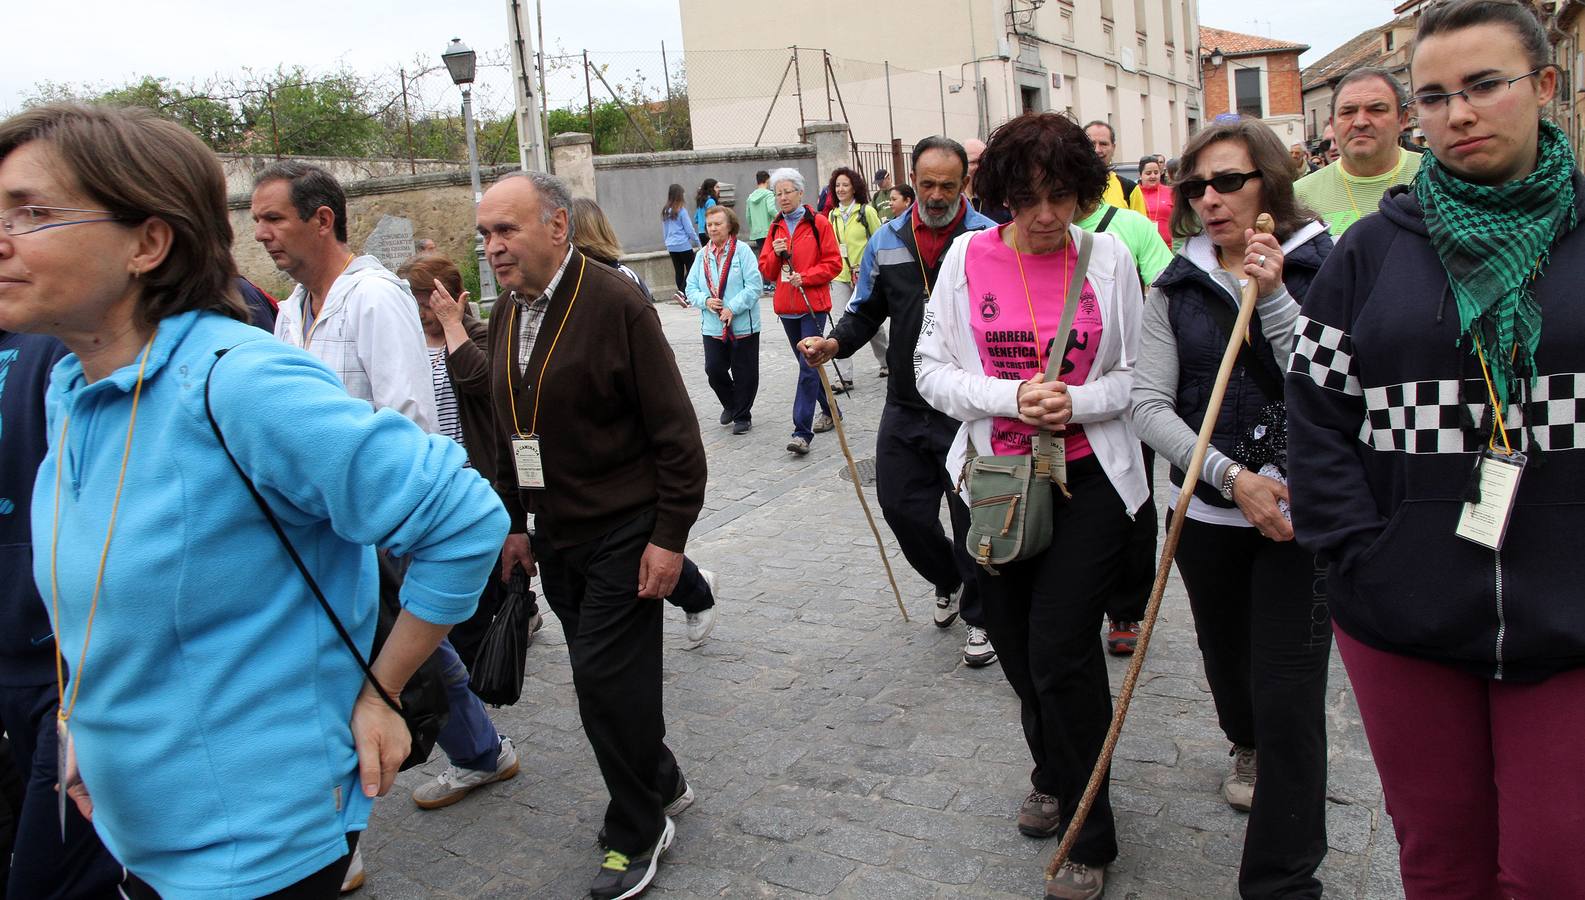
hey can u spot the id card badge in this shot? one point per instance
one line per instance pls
(786, 273)
(530, 465)
(1486, 522)
(1059, 459)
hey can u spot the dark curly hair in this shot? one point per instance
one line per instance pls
(1267, 154)
(1046, 150)
(861, 191)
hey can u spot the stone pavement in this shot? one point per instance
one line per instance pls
(835, 750)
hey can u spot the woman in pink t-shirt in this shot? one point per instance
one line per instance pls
(988, 334)
(1157, 197)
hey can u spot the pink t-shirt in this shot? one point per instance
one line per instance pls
(1006, 336)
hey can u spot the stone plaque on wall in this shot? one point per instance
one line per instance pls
(391, 242)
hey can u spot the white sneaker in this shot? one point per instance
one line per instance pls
(354, 877)
(977, 650)
(682, 801)
(701, 623)
(455, 783)
(947, 607)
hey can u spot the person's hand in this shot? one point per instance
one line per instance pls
(818, 351)
(445, 308)
(381, 739)
(516, 552)
(658, 571)
(1263, 262)
(726, 317)
(1257, 496)
(72, 780)
(714, 304)
(1044, 404)
(796, 279)
(779, 246)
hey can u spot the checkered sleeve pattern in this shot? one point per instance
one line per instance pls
(1423, 416)
(1325, 355)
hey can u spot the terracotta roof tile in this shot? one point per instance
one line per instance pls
(1364, 49)
(1232, 43)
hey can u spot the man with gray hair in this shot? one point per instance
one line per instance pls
(603, 473)
(1368, 117)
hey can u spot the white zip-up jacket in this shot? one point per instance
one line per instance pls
(952, 379)
(368, 333)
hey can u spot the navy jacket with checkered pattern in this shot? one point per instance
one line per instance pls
(1387, 418)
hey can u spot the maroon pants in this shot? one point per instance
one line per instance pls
(1484, 779)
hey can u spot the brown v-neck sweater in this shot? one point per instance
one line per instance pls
(618, 434)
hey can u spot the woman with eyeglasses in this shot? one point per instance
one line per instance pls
(220, 735)
(1259, 611)
(1455, 592)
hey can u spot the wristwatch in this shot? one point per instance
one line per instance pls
(1228, 479)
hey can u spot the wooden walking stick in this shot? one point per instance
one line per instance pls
(847, 454)
(1191, 477)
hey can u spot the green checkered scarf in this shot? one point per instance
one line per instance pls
(1494, 241)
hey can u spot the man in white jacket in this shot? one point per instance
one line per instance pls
(348, 310)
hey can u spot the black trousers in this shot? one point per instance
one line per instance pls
(681, 262)
(1265, 637)
(322, 885)
(614, 642)
(732, 366)
(40, 865)
(1043, 615)
(910, 479)
(1136, 575)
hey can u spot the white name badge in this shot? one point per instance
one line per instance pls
(530, 465)
(1486, 522)
(786, 273)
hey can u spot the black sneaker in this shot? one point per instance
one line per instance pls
(742, 427)
(726, 417)
(621, 876)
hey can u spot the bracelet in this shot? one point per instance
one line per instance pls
(1229, 478)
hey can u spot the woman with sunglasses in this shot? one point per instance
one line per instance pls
(1455, 600)
(1259, 616)
(219, 733)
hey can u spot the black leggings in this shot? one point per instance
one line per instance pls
(681, 262)
(322, 885)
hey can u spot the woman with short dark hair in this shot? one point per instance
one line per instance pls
(709, 195)
(1259, 618)
(226, 738)
(1454, 601)
(990, 329)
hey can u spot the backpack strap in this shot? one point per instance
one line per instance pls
(1111, 212)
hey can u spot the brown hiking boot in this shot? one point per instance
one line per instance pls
(1039, 817)
(1076, 881)
(1238, 788)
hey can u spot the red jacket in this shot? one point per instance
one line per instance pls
(816, 255)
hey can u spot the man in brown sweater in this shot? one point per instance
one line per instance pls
(603, 472)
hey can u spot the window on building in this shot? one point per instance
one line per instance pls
(1107, 12)
(1246, 88)
(1110, 38)
(1166, 22)
(1387, 40)
(1139, 16)
(1030, 98)
(1067, 24)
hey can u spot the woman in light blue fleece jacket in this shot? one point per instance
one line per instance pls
(227, 743)
(725, 286)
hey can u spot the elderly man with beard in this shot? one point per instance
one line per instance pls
(1368, 117)
(894, 281)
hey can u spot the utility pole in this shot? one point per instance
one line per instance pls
(530, 136)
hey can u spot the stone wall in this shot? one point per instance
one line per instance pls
(240, 168)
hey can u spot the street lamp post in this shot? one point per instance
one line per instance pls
(460, 62)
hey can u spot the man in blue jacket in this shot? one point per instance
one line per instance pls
(894, 281)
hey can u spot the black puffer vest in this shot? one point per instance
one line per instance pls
(1202, 339)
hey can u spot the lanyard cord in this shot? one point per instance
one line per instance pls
(308, 301)
(1343, 176)
(1067, 276)
(66, 707)
(511, 396)
(919, 256)
(1498, 426)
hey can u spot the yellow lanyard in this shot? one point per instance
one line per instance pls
(1067, 277)
(308, 302)
(1342, 175)
(1498, 426)
(63, 713)
(539, 383)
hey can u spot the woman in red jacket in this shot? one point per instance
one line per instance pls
(801, 256)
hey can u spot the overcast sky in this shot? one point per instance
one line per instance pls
(112, 41)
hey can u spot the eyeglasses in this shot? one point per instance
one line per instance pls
(28, 219)
(789, 193)
(1225, 183)
(1480, 94)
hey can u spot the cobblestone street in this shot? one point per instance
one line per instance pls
(837, 751)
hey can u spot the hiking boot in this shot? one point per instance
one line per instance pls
(1122, 638)
(798, 446)
(977, 651)
(1076, 881)
(947, 607)
(455, 783)
(1040, 816)
(1238, 788)
(621, 876)
(823, 423)
(354, 877)
(702, 622)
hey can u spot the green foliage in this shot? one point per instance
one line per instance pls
(290, 114)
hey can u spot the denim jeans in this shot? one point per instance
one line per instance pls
(808, 392)
(468, 737)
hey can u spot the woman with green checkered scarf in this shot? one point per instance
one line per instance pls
(1436, 402)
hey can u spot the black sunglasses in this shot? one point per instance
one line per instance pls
(1226, 183)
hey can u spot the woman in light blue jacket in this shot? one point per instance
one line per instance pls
(677, 231)
(725, 286)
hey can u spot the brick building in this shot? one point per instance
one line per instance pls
(1253, 76)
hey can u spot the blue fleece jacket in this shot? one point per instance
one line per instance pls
(212, 723)
(743, 289)
(677, 231)
(27, 651)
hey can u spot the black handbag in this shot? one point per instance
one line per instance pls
(497, 671)
(423, 703)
